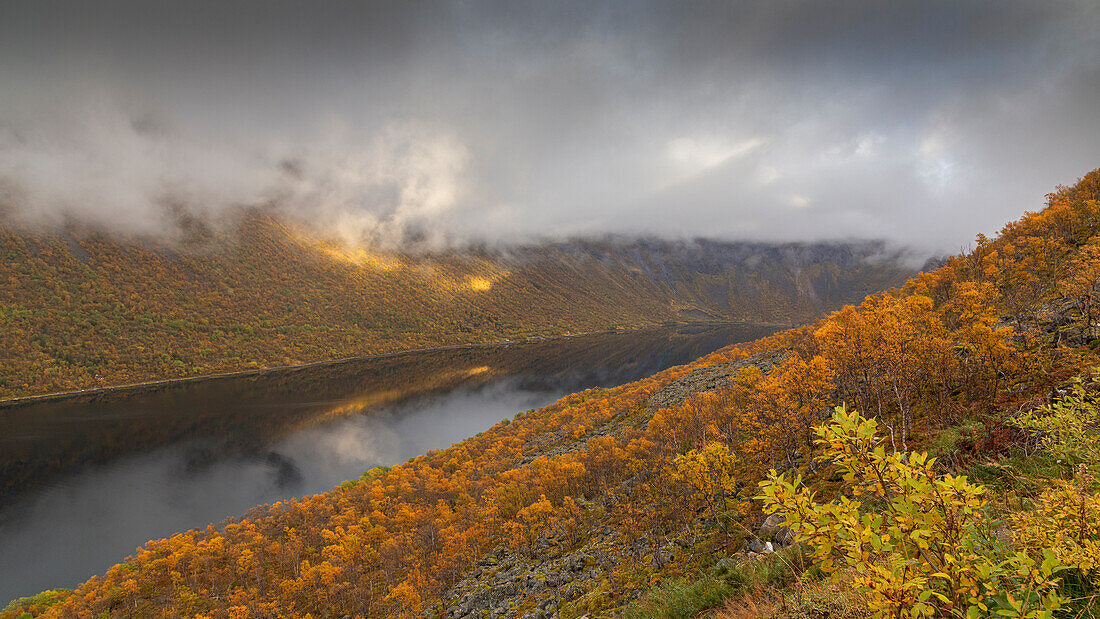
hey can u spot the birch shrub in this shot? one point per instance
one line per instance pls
(917, 541)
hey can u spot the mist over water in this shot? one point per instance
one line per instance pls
(83, 483)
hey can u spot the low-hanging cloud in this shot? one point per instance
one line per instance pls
(918, 122)
(88, 154)
(93, 157)
(380, 189)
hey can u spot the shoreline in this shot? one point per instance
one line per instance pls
(171, 382)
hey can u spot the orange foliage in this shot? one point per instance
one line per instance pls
(917, 357)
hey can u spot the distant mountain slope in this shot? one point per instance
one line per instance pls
(577, 508)
(74, 306)
(787, 283)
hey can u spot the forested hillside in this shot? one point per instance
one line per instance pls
(643, 499)
(84, 309)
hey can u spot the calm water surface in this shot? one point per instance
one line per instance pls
(86, 481)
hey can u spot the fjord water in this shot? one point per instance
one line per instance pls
(85, 481)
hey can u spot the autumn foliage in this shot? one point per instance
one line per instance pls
(83, 309)
(919, 542)
(659, 460)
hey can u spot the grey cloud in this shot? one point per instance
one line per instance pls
(921, 122)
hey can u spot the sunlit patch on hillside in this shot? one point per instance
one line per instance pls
(461, 277)
(345, 252)
(363, 258)
(479, 283)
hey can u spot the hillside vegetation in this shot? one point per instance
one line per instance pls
(251, 415)
(642, 499)
(84, 310)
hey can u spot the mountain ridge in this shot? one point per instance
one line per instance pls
(583, 507)
(85, 305)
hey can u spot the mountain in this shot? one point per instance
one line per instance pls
(84, 309)
(582, 507)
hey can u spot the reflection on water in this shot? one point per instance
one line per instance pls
(83, 482)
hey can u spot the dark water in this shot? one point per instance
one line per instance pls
(85, 481)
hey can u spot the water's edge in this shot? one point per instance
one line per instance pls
(86, 478)
(169, 382)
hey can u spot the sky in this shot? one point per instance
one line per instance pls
(923, 123)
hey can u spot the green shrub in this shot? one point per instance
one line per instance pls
(917, 542)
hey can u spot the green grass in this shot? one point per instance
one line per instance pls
(682, 598)
(1020, 473)
(685, 598)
